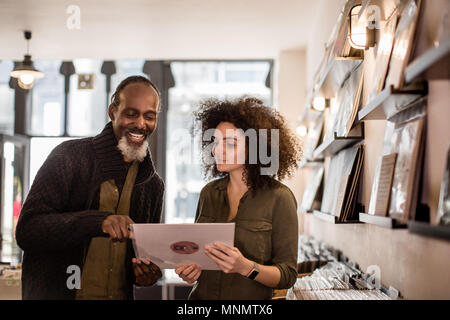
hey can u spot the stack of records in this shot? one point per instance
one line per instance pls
(342, 184)
(313, 254)
(397, 175)
(334, 282)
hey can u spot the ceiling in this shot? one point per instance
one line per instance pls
(155, 29)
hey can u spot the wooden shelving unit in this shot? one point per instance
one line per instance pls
(336, 144)
(384, 222)
(385, 244)
(433, 64)
(331, 218)
(391, 101)
(429, 230)
(306, 162)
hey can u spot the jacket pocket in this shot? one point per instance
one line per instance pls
(254, 239)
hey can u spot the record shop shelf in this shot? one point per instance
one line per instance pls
(306, 162)
(384, 222)
(334, 73)
(331, 218)
(335, 144)
(391, 101)
(427, 229)
(433, 64)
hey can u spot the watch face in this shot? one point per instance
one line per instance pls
(184, 247)
(253, 274)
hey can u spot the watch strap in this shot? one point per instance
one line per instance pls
(254, 272)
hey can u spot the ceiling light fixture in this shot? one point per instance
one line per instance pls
(25, 71)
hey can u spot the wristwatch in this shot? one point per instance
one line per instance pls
(254, 272)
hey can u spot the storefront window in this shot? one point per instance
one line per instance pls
(124, 69)
(47, 102)
(12, 193)
(87, 107)
(6, 99)
(196, 81)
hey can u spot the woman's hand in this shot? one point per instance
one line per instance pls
(189, 272)
(229, 259)
(146, 272)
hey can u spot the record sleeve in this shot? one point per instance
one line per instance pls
(444, 196)
(313, 137)
(310, 193)
(403, 43)
(349, 97)
(171, 245)
(341, 165)
(406, 142)
(384, 51)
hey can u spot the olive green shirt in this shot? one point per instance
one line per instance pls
(104, 275)
(266, 233)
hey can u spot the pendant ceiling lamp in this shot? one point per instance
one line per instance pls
(25, 72)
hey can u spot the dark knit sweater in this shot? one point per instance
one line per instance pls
(60, 214)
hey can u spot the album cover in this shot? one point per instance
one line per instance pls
(406, 142)
(403, 43)
(383, 56)
(310, 193)
(444, 197)
(171, 245)
(313, 137)
(349, 97)
(382, 185)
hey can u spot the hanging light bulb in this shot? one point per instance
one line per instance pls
(25, 71)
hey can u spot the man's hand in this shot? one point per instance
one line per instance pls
(146, 272)
(117, 227)
(189, 273)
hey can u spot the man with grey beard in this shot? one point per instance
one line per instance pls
(73, 227)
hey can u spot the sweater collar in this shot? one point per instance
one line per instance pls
(112, 164)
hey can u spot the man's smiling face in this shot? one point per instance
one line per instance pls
(135, 118)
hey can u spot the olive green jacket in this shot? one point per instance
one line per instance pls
(266, 233)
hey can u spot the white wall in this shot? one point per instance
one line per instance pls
(291, 98)
(325, 17)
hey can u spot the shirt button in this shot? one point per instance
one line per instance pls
(110, 270)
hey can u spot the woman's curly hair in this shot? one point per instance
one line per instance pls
(249, 113)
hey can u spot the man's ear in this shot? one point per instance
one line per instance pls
(111, 110)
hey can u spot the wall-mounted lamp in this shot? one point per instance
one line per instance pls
(320, 103)
(301, 130)
(360, 36)
(25, 71)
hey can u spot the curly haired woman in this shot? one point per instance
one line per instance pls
(248, 193)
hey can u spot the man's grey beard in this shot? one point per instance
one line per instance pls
(132, 152)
